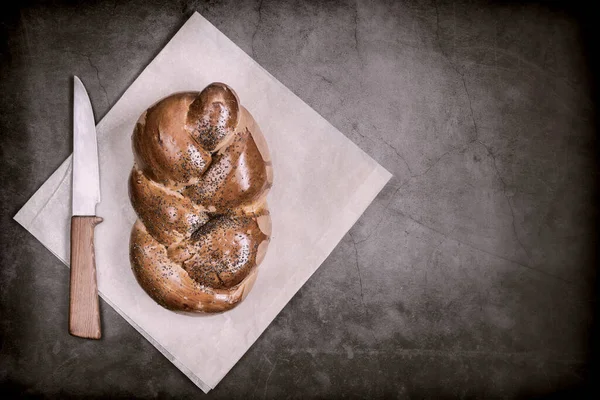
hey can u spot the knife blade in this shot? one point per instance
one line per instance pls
(84, 313)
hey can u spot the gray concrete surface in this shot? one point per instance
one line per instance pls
(470, 275)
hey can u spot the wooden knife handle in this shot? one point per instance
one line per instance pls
(84, 312)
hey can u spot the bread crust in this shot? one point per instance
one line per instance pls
(201, 174)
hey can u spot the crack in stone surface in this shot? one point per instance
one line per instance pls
(360, 134)
(437, 161)
(260, 370)
(380, 138)
(326, 80)
(257, 27)
(411, 179)
(446, 235)
(455, 68)
(476, 138)
(268, 378)
(504, 191)
(114, 9)
(98, 78)
(398, 154)
(89, 60)
(362, 297)
(382, 216)
(356, 31)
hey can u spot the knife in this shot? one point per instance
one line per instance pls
(84, 313)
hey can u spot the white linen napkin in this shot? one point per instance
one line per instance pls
(323, 183)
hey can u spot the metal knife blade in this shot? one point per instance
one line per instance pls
(86, 175)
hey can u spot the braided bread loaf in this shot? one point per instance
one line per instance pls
(199, 183)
